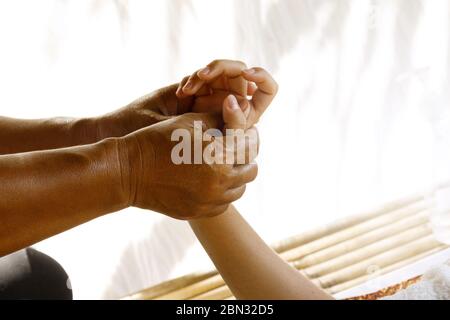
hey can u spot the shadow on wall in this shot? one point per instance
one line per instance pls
(151, 260)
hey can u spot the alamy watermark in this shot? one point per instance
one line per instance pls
(197, 146)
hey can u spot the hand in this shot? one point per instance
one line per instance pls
(149, 109)
(185, 191)
(140, 113)
(203, 91)
(209, 86)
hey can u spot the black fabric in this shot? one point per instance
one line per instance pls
(30, 274)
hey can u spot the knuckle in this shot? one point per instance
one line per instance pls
(192, 77)
(214, 63)
(195, 74)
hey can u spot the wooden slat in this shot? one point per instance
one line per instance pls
(362, 240)
(194, 289)
(314, 248)
(381, 260)
(357, 281)
(335, 226)
(354, 231)
(171, 285)
(220, 293)
(410, 236)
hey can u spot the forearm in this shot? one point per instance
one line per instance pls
(251, 269)
(18, 135)
(46, 192)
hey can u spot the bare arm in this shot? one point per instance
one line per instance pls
(46, 192)
(251, 269)
(20, 135)
(43, 193)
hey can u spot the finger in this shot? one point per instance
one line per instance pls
(211, 103)
(245, 106)
(233, 116)
(232, 195)
(229, 68)
(236, 85)
(243, 174)
(266, 90)
(205, 90)
(193, 84)
(179, 93)
(219, 83)
(226, 75)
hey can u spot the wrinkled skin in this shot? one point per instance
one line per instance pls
(200, 93)
(88, 167)
(183, 191)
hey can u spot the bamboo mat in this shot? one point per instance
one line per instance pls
(337, 256)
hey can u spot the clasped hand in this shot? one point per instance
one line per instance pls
(223, 95)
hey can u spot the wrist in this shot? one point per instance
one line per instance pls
(131, 167)
(112, 156)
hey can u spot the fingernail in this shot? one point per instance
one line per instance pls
(233, 103)
(205, 71)
(249, 71)
(245, 105)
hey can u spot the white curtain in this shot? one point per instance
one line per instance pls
(363, 87)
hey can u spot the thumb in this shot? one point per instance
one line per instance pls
(233, 116)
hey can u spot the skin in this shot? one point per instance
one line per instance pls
(207, 95)
(50, 191)
(250, 268)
